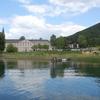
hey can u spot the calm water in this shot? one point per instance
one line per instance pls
(38, 80)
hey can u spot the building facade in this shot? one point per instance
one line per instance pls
(74, 46)
(26, 45)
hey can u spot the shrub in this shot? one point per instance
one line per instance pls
(11, 48)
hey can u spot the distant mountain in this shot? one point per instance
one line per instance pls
(88, 37)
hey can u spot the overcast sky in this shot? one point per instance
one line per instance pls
(42, 18)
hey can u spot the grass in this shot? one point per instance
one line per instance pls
(47, 55)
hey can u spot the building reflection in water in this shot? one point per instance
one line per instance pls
(24, 64)
(56, 69)
(2, 68)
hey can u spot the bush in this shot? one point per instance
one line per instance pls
(11, 48)
(39, 46)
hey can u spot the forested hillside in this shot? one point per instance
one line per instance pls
(88, 37)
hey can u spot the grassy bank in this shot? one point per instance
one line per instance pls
(47, 55)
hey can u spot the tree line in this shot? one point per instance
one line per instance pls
(58, 43)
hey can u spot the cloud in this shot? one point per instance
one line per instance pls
(75, 6)
(43, 10)
(61, 7)
(2, 21)
(25, 1)
(28, 21)
(64, 29)
(36, 27)
(36, 8)
(79, 2)
(25, 25)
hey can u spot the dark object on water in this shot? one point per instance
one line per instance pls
(55, 59)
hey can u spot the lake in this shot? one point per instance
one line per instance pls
(25, 79)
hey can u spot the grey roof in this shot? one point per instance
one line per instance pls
(39, 40)
(17, 40)
(12, 40)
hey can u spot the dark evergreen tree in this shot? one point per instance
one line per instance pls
(2, 40)
(53, 40)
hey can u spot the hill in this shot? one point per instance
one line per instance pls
(89, 37)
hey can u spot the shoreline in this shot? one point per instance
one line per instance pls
(74, 56)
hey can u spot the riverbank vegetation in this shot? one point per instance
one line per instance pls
(48, 55)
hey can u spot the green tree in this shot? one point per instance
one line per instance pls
(39, 46)
(2, 40)
(53, 40)
(11, 48)
(82, 41)
(34, 47)
(45, 46)
(60, 43)
(22, 38)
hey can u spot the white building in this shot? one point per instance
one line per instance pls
(74, 46)
(26, 45)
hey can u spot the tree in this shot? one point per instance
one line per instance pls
(40, 38)
(45, 46)
(39, 46)
(22, 38)
(2, 40)
(82, 41)
(11, 48)
(60, 43)
(66, 42)
(53, 40)
(34, 47)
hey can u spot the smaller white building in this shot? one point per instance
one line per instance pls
(74, 46)
(26, 45)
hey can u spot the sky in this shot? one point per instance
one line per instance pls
(36, 19)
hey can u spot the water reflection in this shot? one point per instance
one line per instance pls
(56, 69)
(73, 68)
(2, 68)
(11, 64)
(42, 80)
(26, 64)
(86, 69)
